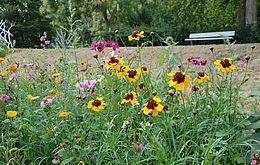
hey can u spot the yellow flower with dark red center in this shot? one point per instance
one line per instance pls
(58, 81)
(136, 35)
(81, 163)
(179, 80)
(64, 114)
(144, 69)
(194, 89)
(54, 69)
(31, 97)
(52, 91)
(13, 68)
(122, 71)
(77, 137)
(141, 86)
(153, 107)
(56, 160)
(130, 97)
(11, 113)
(82, 63)
(2, 59)
(171, 92)
(96, 105)
(133, 75)
(225, 65)
(3, 73)
(114, 63)
(202, 78)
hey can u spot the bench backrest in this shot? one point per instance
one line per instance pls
(212, 34)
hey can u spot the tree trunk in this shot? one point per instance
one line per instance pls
(241, 17)
(251, 13)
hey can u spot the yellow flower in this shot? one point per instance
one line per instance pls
(12, 68)
(133, 75)
(141, 87)
(171, 92)
(58, 81)
(136, 35)
(130, 97)
(96, 105)
(144, 69)
(81, 163)
(82, 63)
(11, 113)
(30, 97)
(3, 73)
(194, 89)
(122, 71)
(64, 114)
(2, 59)
(52, 91)
(202, 78)
(114, 63)
(153, 107)
(179, 80)
(57, 74)
(225, 65)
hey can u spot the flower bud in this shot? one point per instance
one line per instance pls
(95, 56)
(247, 58)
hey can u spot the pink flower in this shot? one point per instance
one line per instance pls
(46, 101)
(90, 83)
(128, 51)
(241, 63)
(113, 44)
(98, 46)
(80, 86)
(138, 146)
(12, 76)
(4, 97)
(253, 162)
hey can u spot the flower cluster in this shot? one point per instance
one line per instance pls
(101, 44)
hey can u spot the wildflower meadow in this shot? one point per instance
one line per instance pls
(115, 109)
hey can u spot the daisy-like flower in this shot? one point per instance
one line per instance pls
(136, 35)
(141, 86)
(144, 69)
(47, 101)
(64, 114)
(56, 160)
(57, 74)
(113, 44)
(225, 65)
(11, 113)
(153, 107)
(2, 59)
(194, 89)
(12, 68)
(31, 97)
(81, 162)
(114, 63)
(4, 97)
(3, 73)
(171, 92)
(82, 63)
(202, 78)
(179, 80)
(96, 105)
(130, 97)
(133, 75)
(122, 71)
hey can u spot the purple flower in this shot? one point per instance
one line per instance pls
(113, 44)
(80, 86)
(93, 45)
(241, 63)
(203, 62)
(90, 83)
(4, 97)
(98, 46)
(128, 51)
(87, 83)
(253, 162)
(12, 76)
(138, 146)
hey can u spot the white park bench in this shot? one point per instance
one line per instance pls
(211, 36)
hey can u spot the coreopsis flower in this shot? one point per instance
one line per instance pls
(12, 68)
(179, 80)
(202, 78)
(77, 137)
(57, 74)
(82, 63)
(58, 81)
(31, 97)
(52, 91)
(129, 98)
(122, 71)
(56, 160)
(96, 105)
(194, 89)
(64, 114)
(81, 162)
(4, 97)
(114, 63)
(11, 113)
(153, 107)
(136, 35)
(171, 92)
(133, 75)
(141, 86)
(144, 69)
(225, 65)
(2, 59)
(113, 44)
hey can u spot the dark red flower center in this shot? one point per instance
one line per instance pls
(113, 60)
(96, 103)
(179, 77)
(144, 68)
(141, 86)
(132, 73)
(195, 88)
(225, 63)
(201, 74)
(135, 34)
(152, 104)
(129, 96)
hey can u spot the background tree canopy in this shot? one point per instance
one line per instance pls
(100, 18)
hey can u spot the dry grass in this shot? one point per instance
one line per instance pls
(150, 56)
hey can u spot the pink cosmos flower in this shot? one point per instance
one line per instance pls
(80, 86)
(98, 46)
(253, 162)
(113, 44)
(4, 97)
(90, 83)
(87, 83)
(12, 76)
(138, 146)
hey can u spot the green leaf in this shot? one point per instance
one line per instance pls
(66, 161)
